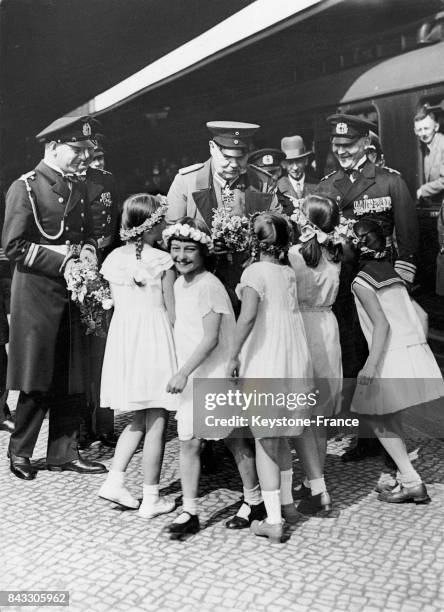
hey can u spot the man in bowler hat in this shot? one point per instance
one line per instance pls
(298, 182)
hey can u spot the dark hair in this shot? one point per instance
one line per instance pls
(424, 112)
(194, 224)
(272, 233)
(371, 236)
(323, 212)
(137, 209)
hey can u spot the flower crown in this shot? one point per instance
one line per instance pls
(150, 222)
(179, 230)
(343, 231)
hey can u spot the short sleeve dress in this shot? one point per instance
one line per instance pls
(195, 299)
(317, 291)
(139, 356)
(277, 345)
(408, 374)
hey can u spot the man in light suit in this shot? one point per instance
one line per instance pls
(298, 183)
(432, 144)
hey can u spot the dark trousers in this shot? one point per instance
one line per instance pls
(64, 420)
(4, 410)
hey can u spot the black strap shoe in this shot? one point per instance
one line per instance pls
(257, 513)
(315, 503)
(189, 527)
(21, 467)
(81, 466)
(365, 448)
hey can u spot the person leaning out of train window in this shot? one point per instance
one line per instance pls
(374, 150)
(432, 145)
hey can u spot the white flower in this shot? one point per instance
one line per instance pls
(107, 304)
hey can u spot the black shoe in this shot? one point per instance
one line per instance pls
(190, 527)
(7, 425)
(417, 495)
(257, 513)
(315, 504)
(365, 448)
(109, 439)
(21, 467)
(80, 466)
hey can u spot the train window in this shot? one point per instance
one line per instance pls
(436, 105)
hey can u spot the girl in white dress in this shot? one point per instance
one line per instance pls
(139, 356)
(203, 332)
(398, 352)
(316, 264)
(270, 342)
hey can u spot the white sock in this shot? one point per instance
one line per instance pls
(189, 504)
(115, 478)
(150, 494)
(410, 478)
(286, 487)
(272, 503)
(253, 496)
(318, 486)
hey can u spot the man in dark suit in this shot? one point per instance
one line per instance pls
(363, 189)
(47, 225)
(298, 182)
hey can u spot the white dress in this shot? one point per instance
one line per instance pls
(317, 292)
(204, 294)
(139, 356)
(276, 347)
(408, 374)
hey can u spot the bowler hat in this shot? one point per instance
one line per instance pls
(294, 147)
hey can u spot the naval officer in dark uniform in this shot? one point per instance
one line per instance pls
(363, 189)
(47, 224)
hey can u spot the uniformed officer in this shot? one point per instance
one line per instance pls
(363, 189)
(267, 164)
(298, 182)
(224, 181)
(97, 422)
(47, 224)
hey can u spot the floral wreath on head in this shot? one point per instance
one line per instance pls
(263, 246)
(185, 231)
(342, 232)
(149, 223)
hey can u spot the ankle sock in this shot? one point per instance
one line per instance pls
(189, 504)
(410, 478)
(116, 478)
(286, 487)
(272, 501)
(252, 497)
(150, 494)
(317, 485)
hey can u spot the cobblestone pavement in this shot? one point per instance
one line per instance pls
(57, 534)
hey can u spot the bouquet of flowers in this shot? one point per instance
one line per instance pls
(230, 232)
(90, 291)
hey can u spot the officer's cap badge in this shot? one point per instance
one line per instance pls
(86, 129)
(267, 160)
(341, 128)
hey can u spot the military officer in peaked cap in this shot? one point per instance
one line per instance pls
(298, 182)
(363, 189)
(47, 224)
(225, 181)
(267, 164)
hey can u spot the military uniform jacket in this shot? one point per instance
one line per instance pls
(381, 194)
(105, 209)
(288, 196)
(192, 194)
(39, 295)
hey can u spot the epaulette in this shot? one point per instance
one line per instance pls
(28, 175)
(392, 170)
(105, 171)
(192, 168)
(327, 175)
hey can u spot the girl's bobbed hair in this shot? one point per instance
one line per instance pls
(271, 233)
(371, 242)
(323, 214)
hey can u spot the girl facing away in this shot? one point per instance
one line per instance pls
(270, 342)
(315, 261)
(203, 332)
(140, 356)
(401, 371)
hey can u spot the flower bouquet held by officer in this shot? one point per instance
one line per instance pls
(47, 224)
(364, 190)
(224, 182)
